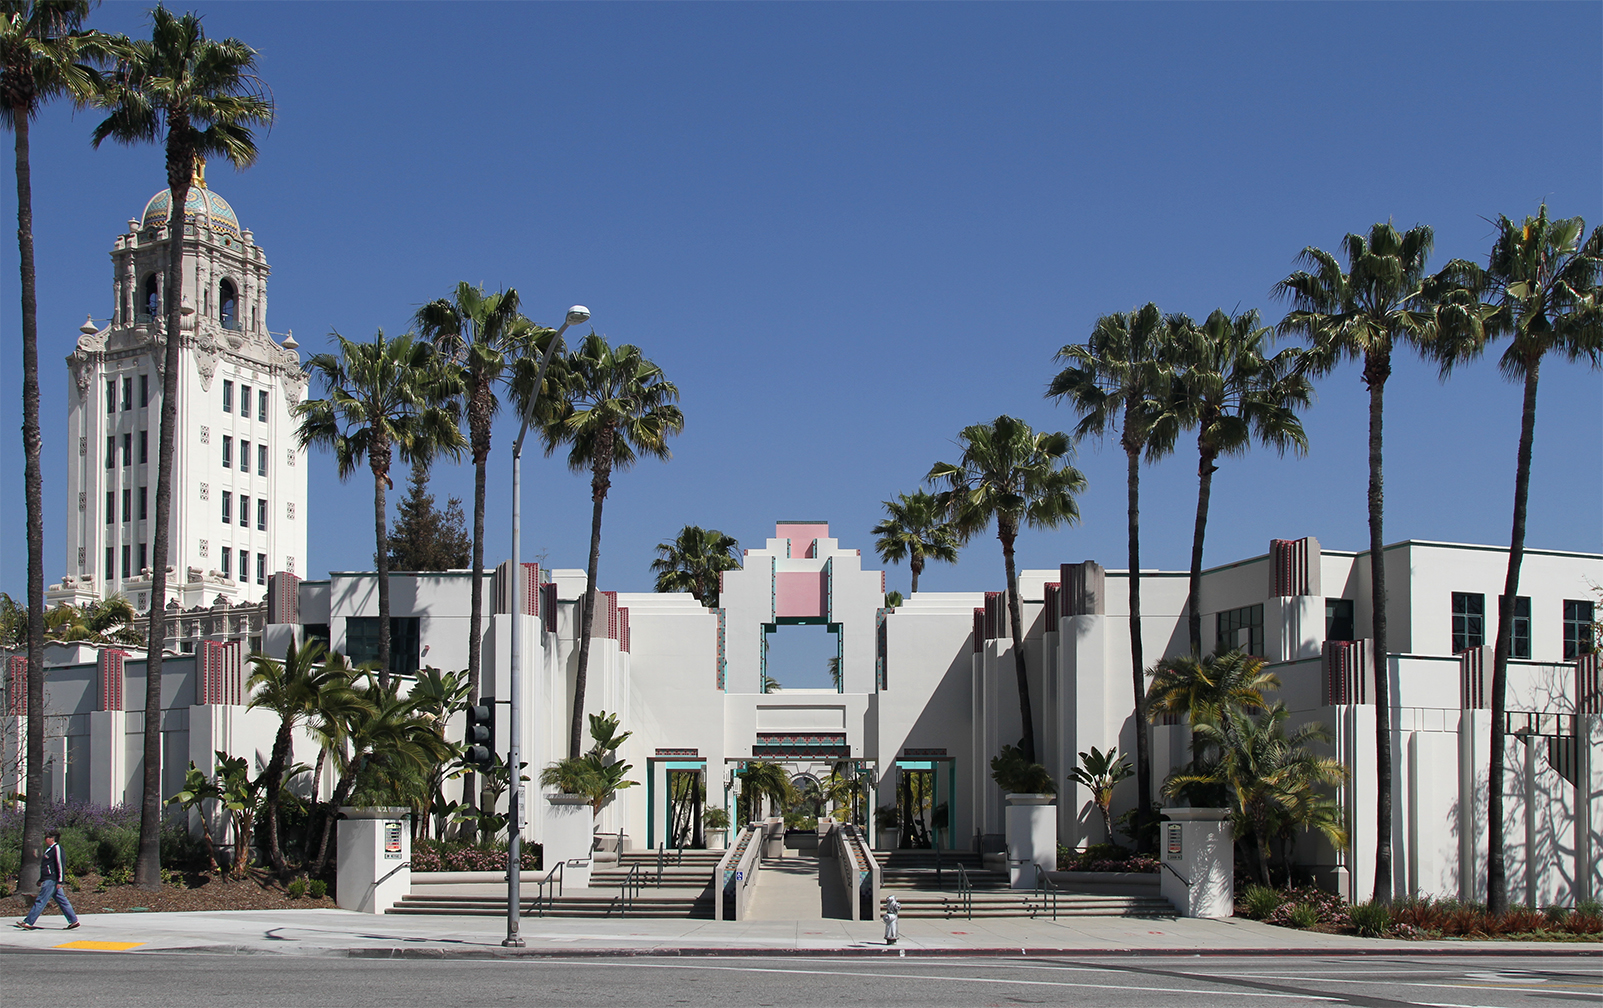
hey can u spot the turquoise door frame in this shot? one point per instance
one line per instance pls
(945, 790)
(663, 763)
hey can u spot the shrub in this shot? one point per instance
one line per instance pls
(297, 888)
(78, 850)
(1326, 908)
(121, 875)
(1302, 916)
(1259, 901)
(317, 888)
(117, 848)
(715, 819)
(441, 855)
(1371, 919)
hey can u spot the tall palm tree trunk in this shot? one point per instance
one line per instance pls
(180, 169)
(1016, 628)
(1205, 470)
(378, 456)
(599, 484)
(272, 784)
(1496, 871)
(915, 563)
(475, 626)
(1143, 749)
(1377, 368)
(33, 822)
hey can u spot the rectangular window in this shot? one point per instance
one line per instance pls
(128, 449)
(228, 452)
(228, 397)
(111, 451)
(1242, 629)
(1578, 617)
(127, 561)
(261, 513)
(361, 642)
(1469, 621)
(128, 393)
(261, 460)
(261, 568)
(1338, 619)
(1519, 644)
(128, 504)
(244, 401)
(244, 456)
(144, 391)
(144, 560)
(111, 507)
(144, 447)
(261, 404)
(111, 395)
(228, 507)
(144, 503)
(111, 562)
(227, 561)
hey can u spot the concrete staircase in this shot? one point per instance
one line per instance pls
(685, 892)
(911, 875)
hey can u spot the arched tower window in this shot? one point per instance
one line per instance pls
(149, 305)
(228, 305)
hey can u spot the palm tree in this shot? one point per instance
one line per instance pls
(383, 397)
(1231, 390)
(1119, 379)
(43, 55)
(1540, 289)
(694, 562)
(481, 335)
(916, 529)
(197, 791)
(201, 97)
(110, 622)
(1366, 312)
(761, 779)
(1099, 773)
(298, 689)
(1016, 476)
(615, 406)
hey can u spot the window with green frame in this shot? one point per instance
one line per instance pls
(1241, 629)
(361, 642)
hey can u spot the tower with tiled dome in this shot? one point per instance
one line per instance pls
(239, 477)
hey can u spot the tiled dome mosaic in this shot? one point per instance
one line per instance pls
(201, 203)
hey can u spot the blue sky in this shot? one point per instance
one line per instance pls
(847, 231)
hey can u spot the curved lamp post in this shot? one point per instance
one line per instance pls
(577, 315)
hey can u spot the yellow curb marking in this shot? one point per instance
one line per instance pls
(100, 946)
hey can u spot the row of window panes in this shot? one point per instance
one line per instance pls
(244, 510)
(1469, 624)
(129, 566)
(244, 456)
(127, 505)
(1241, 629)
(127, 449)
(226, 564)
(127, 393)
(244, 400)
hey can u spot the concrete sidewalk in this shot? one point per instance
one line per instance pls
(348, 934)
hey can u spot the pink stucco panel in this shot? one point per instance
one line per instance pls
(801, 536)
(799, 593)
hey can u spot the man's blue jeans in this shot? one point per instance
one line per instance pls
(51, 889)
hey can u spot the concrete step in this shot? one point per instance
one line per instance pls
(1025, 903)
(901, 878)
(643, 905)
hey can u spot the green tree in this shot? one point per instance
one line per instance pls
(1120, 379)
(916, 529)
(761, 779)
(423, 537)
(1539, 289)
(1232, 391)
(598, 774)
(1015, 476)
(383, 397)
(1099, 773)
(1210, 690)
(199, 97)
(297, 689)
(1367, 311)
(613, 406)
(694, 562)
(199, 789)
(44, 54)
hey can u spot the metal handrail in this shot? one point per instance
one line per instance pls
(542, 898)
(937, 845)
(1176, 874)
(965, 891)
(632, 884)
(1047, 888)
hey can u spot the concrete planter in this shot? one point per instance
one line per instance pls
(888, 839)
(1032, 838)
(717, 839)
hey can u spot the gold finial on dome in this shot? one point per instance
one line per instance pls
(198, 179)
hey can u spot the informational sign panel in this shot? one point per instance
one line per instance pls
(392, 840)
(1176, 850)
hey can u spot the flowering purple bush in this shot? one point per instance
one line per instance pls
(443, 855)
(1330, 908)
(96, 837)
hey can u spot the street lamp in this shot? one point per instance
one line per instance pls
(577, 315)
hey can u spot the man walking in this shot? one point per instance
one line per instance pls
(51, 873)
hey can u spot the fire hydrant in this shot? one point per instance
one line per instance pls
(893, 911)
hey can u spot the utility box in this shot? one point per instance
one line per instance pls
(375, 858)
(1198, 855)
(1032, 838)
(569, 837)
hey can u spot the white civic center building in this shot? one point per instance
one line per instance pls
(924, 694)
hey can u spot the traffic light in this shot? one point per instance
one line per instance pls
(479, 740)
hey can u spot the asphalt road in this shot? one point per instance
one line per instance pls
(177, 980)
